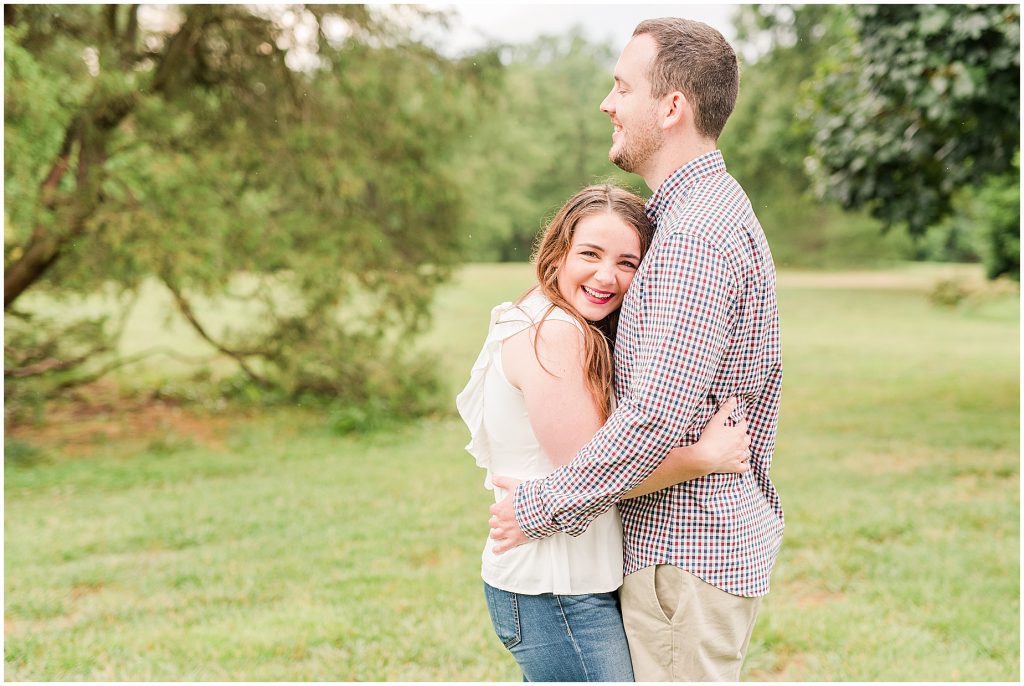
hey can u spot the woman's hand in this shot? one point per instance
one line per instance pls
(724, 449)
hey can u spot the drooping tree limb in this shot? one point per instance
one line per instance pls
(238, 356)
(109, 367)
(51, 364)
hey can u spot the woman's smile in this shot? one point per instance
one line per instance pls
(596, 296)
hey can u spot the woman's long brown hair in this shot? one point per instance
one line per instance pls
(549, 256)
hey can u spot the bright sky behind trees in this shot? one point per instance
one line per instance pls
(517, 22)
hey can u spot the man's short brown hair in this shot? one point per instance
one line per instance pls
(697, 61)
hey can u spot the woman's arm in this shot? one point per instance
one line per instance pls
(562, 413)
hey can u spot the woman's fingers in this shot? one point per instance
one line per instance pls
(724, 411)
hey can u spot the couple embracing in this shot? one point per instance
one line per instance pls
(625, 407)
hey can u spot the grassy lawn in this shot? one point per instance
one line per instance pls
(266, 547)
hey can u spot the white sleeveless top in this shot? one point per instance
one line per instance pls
(503, 443)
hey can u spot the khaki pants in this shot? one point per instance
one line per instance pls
(680, 628)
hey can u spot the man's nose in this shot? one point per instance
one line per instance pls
(606, 105)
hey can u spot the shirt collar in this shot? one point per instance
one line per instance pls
(679, 182)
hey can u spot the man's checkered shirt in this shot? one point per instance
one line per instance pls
(699, 324)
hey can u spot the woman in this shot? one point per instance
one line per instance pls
(539, 390)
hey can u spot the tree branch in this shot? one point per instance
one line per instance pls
(106, 369)
(130, 32)
(238, 356)
(60, 164)
(51, 364)
(111, 17)
(176, 53)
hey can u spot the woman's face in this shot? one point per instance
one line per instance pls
(600, 264)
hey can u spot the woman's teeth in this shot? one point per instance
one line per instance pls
(595, 294)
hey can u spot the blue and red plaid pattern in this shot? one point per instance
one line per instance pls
(699, 324)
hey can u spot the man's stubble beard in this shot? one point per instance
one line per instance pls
(641, 146)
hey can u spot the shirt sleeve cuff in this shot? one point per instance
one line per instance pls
(531, 511)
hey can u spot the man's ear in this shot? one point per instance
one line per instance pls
(676, 109)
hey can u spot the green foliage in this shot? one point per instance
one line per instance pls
(196, 143)
(921, 101)
(32, 126)
(948, 293)
(998, 208)
(984, 224)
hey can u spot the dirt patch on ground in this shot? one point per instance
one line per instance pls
(100, 413)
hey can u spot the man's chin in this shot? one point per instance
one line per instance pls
(621, 162)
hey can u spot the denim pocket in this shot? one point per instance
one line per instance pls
(503, 607)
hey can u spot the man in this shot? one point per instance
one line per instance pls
(699, 324)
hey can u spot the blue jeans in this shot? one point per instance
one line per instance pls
(562, 637)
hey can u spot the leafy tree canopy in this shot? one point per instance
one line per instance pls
(920, 101)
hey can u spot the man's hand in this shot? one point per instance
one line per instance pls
(504, 527)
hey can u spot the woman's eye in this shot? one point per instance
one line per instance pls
(588, 253)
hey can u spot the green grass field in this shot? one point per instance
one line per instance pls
(265, 547)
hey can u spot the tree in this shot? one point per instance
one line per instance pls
(925, 100)
(291, 159)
